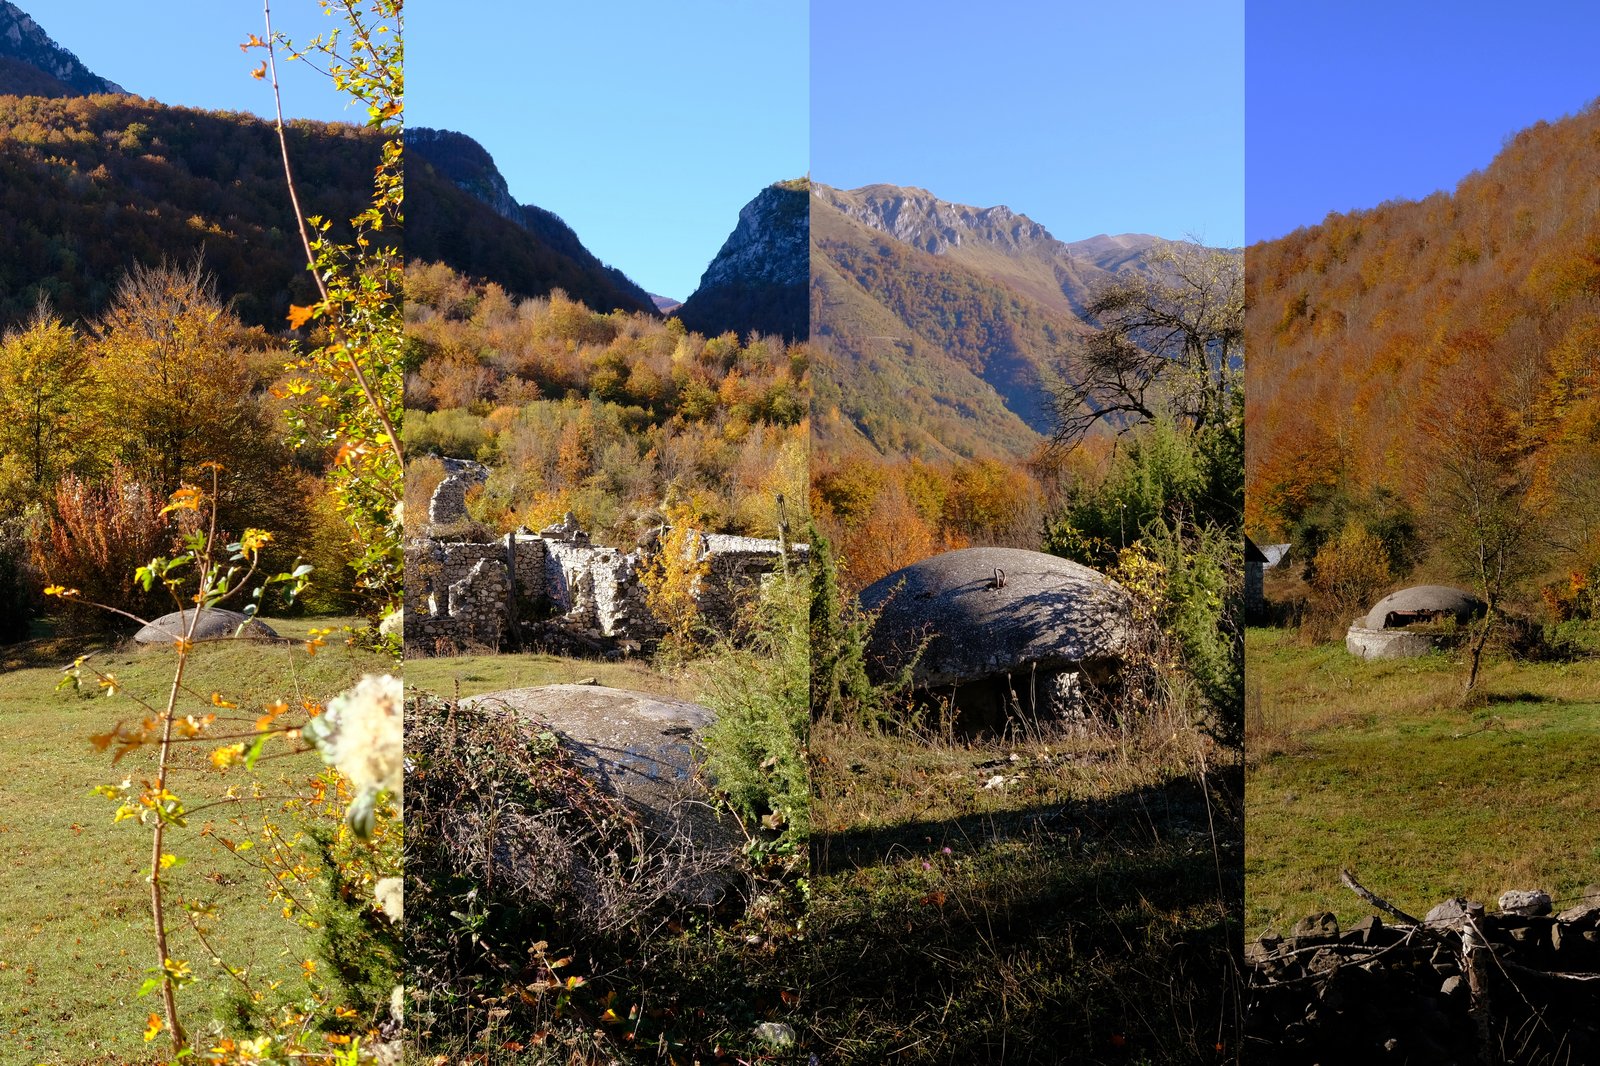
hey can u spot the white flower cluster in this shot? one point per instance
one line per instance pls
(362, 735)
(390, 896)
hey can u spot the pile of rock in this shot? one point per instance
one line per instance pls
(1520, 979)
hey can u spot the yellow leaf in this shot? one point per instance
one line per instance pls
(260, 72)
(153, 1029)
(299, 316)
(225, 757)
(218, 701)
(185, 499)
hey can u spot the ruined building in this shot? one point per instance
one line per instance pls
(555, 590)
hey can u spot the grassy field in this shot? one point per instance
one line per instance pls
(477, 674)
(1382, 768)
(76, 943)
(956, 918)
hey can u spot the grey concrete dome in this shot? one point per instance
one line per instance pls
(214, 624)
(1048, 614)
(644, 748)
(1423, 603)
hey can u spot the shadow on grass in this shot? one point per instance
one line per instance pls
(1097, 931)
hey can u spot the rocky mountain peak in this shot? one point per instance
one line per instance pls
(916, 217)
(758, 280)
(769, 242)
(33, 64)
(467, 164)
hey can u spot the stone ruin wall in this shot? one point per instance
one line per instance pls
(558, 584)
(555, 587)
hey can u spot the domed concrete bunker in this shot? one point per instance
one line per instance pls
(647, 750)
(214, 623)
(1407, 623)
(1003, 631)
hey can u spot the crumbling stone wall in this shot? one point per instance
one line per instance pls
(1516, 985)
(449, 502)
(557, 589)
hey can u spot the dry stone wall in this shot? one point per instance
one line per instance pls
(1462, 985)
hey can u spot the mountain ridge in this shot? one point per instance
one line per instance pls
(548, 255)
(33, 64)
(938, 325)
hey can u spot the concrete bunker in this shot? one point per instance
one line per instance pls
(1412, 622)
(1003, 633)
(214, 623)
(646, 750)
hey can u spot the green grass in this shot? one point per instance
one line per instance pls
(1383, 768)
(478, 674)
(76, 942)
(1073, 914)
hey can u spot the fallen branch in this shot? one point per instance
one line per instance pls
(1349, 881)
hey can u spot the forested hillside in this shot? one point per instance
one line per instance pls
(611, 416)
(1393, 348)
(91, 185)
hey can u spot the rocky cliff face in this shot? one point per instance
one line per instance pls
(758, 280)
(32, 64)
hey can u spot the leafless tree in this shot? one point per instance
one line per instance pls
(1170, 339)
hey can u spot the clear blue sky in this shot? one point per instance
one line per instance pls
(1089, 117)
(189, 53)
(645, 126)
(1354, 102)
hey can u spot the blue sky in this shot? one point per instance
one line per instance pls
(1087, 117)
(645, 126)
(189, 53)
(1355, 102)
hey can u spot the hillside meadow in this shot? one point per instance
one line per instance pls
(77, 944)
(1383, 768)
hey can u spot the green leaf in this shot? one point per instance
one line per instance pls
(255, 751)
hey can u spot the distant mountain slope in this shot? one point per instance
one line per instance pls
(758, 280)
(936, 324)
(458, 204)
(1003, 246)
(90, 185)
(31, 64)
(1358, 325)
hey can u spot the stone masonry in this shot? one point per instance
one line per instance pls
(449, 502)
(558, 589)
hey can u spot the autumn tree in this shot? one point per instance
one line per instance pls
(48, 407)
(1473, 477)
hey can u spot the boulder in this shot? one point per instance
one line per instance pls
(215, 623)
(1001, 626)
(1528, 902)
(645, 749)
